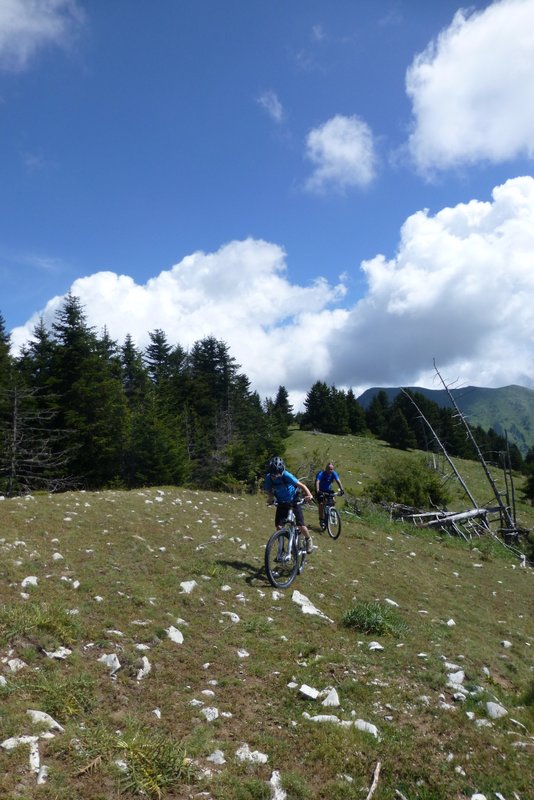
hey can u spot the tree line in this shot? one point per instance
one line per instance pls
(399, 423)
(79, 410)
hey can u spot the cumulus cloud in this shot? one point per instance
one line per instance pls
(26, 26)
(460, 290)
(472, 89)
(271, 104)
(240, 294)
(343, 153)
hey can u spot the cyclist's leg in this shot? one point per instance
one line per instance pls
(301, 525)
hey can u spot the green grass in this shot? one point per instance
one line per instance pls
(131, 553)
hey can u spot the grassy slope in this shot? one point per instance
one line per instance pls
(134, 549)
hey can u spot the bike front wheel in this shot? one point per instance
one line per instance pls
(281, 564)
(333, 523)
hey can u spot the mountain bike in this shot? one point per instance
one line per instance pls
(332, 519)
(285, 553)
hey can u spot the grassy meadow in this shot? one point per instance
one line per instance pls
(143, 625)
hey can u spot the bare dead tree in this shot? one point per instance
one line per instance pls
(504, 509)
(442, 448)
(32, 455)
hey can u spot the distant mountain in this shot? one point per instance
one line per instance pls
(508, 410)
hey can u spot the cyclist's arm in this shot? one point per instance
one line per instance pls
(305, 490)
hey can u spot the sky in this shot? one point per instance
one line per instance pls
(340, 190)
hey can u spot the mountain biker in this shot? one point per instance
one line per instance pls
(323, 484)
(283, 486)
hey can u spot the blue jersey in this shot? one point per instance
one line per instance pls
(326, 479)
(284, 487)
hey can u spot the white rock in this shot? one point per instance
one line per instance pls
(43, 718)
(391, 602)
(210, 713)
(277, 792)
(243, 654)
(244, 753)
(506, 644)
(307, 606)
(478, 796)
(309, 692)
(42, 775)
(31, 580)
(145, 669)
(15, 664)
(451, 623)
(175, 635)
(217, 757)
(110, 661)
(368, 727)
(14, 741)
(331, 699)
(61, 652)
(495, 710)
(375, 646)
(188, 586)
(233, 617)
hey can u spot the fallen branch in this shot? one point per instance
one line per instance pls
(375, 781)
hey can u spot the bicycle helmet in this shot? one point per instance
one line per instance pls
(276, 466)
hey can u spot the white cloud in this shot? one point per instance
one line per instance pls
(343, 152)
(28, 25)
(240, 294)
(460, 289)
(271, 104)
(473, 89)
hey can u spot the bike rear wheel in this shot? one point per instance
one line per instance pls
(281, 565)
(333, 522)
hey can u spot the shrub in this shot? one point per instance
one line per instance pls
(411, 483)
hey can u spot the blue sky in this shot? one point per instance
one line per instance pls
(340, 189)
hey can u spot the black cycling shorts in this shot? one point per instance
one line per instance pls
(281, 513)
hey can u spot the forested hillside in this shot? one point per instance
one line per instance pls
(508, 410)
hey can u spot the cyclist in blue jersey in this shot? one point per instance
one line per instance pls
(323, 483)
(283, 486)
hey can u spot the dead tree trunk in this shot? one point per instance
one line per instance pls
(505, 511)
(438, 442)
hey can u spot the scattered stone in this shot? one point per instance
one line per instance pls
(233, 617)
(307, 606)
(506, 644)
(16, 664)
(375, 646)
(188, 586)
(145, 669)
(217, 757)
(495, 710)
(110, 661)
(244, 753)
(61, 653)
(41, 717)
(277, 791)
(175, 635)
(31, 580)
(210, 713)
(309, 692)
(331, 699)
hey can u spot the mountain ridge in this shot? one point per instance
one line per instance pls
(508, 410)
